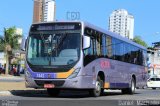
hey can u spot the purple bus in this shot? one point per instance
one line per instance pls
(79, 55)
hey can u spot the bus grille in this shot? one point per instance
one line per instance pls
(55, 70)
(57, 83)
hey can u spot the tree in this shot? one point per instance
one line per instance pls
(139, 40)
(8, 43)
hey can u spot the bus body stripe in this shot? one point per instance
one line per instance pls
(65, 74)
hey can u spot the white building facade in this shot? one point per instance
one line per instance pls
(19, 31)
(2, 59)
(154, 62)
(122, 23)
(49, 10)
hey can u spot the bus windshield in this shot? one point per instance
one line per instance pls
(53, 49)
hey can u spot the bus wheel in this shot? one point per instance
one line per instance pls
(53, 92)
(130, 90)
(98, 90)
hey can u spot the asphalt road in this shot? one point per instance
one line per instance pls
(82, 98)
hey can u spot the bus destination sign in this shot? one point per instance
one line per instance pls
(56, 27)
(52, 27)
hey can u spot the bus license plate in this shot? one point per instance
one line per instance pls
(49, 85)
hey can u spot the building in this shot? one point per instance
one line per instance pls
(122, 23)
(154, 60)
(44, 11)
(2, 59)
(17, 53)
(49, 10)
(37, 12)
(19, 31)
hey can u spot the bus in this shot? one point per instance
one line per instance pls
(78, 55)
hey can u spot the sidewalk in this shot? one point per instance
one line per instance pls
(8, 86)
(11, 78)
(11, 88)
(9, 83)
(3, 76)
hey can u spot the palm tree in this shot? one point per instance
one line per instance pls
(8, 43)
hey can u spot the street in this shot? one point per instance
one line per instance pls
(111, 98)
(47, 46)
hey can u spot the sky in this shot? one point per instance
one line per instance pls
(146, 14)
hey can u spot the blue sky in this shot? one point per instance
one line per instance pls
(19, 13)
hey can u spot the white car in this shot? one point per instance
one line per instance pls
(153, 82)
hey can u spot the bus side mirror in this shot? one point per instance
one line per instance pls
(86, 42)
(23, 44)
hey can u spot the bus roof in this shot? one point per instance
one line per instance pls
(112, 34)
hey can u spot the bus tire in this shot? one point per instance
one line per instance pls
(130, 90)
(99, 88)
(53, 92)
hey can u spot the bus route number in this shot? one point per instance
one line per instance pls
(39, 75)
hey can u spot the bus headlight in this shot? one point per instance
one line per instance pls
(27, 74)
(75, 73)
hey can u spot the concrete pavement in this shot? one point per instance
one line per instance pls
(11, 78)
(10, 83)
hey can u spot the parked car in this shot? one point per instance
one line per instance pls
(153, 82)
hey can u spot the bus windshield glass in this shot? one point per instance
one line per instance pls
(53, 49)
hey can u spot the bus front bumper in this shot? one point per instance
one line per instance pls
(80, 82)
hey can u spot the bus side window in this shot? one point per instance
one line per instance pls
(140, 57)
(145, 58)
(118, 47)
(103, 46)
(109, 46)
(98, 45)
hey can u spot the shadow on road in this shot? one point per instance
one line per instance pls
(63, 94)
(29, 93)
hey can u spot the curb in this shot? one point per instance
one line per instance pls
(5, 93)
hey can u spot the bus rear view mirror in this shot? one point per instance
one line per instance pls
(23, 44)
(86, 42)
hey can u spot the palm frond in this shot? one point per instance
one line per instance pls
(17, 36)
(11, 38)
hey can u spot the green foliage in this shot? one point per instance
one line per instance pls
(139, 40)
(8, 43)
(1, 44)
(10, 40)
